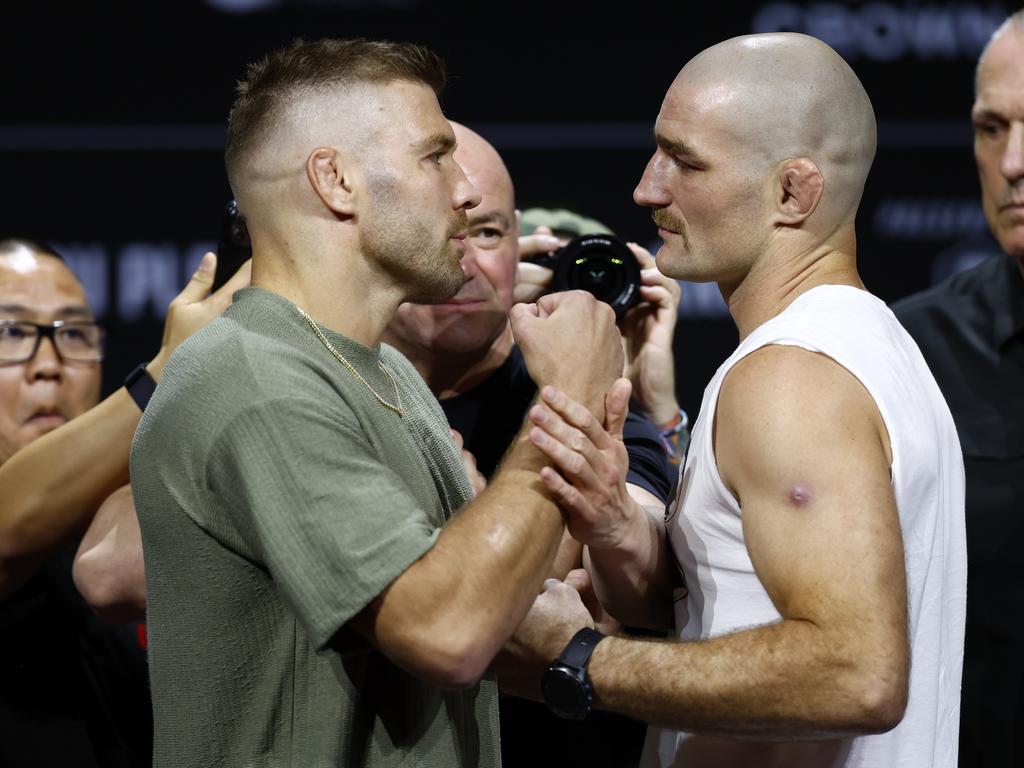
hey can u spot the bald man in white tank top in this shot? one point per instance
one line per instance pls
(818, 527)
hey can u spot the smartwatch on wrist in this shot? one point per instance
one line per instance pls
(140, 386)
(566, 684)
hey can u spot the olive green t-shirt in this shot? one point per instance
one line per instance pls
(277, 497)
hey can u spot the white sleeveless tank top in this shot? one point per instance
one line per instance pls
(724, 593)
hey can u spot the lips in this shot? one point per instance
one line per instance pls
(49, 418)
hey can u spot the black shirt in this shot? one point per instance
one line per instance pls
(489, 416)
(970, 329)
(73, 690)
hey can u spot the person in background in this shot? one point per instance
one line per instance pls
(647, 330)
(970, 329)
(74, 690)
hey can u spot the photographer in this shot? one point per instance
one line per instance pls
(647, 328)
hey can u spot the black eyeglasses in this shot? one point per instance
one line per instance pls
(78, 340)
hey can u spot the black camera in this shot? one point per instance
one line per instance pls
(599, 264)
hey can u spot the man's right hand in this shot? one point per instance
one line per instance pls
(570, 341)
(590, 465)
(195, 306)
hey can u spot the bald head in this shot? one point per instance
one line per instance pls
(1012, 27)
(483, 166)
(998, 117)
(788, 95)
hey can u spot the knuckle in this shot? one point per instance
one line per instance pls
(577, 441)
(576, 464)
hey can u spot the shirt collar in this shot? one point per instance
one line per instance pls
(1007, 298)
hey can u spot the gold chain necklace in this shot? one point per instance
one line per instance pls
(351, 368)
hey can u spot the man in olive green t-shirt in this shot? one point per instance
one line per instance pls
(313, 599)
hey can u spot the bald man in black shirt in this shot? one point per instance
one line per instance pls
(971, 331)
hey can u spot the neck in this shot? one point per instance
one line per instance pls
(339, 290)
(449, 374)
(780, 277)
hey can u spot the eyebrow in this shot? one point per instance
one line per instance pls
(484, 218)
(440, 142)
(72, 310)
(987, 113)
(675, 147)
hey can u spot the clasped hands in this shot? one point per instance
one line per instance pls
(587, 478)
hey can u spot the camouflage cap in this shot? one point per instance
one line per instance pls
(561, 222)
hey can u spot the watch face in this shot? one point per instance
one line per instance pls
(565, 692)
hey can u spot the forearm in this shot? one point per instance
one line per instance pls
(634, 581)
(568, 557)
(790, 680)
(52, 486)
(450, 612)
(506, 540)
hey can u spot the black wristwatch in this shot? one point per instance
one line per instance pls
(140, 386)
(566, 684)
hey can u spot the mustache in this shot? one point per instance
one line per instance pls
(665, 220)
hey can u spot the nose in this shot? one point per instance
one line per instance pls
(650, 191)
(466, 195)
(1012, 163)
(46, 363)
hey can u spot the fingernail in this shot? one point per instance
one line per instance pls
(537, 414)
(207, 262)
(538, 436)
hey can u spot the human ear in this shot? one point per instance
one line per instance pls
(800, 186)
(326, 173)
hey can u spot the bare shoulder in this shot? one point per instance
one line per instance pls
(784, 407)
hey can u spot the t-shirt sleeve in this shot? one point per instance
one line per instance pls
(309, 494)
(648, 465)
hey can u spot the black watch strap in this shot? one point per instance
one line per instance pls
(577, 652)
(140, 386)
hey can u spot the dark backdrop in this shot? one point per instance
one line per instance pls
(112, 126)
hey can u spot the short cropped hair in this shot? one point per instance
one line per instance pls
(273, 82)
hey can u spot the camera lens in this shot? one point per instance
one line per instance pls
(602, 265)
(597, 272)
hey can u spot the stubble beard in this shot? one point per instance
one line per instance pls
(407, 249)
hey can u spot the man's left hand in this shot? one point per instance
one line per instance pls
(647, 333)
(557, 614)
